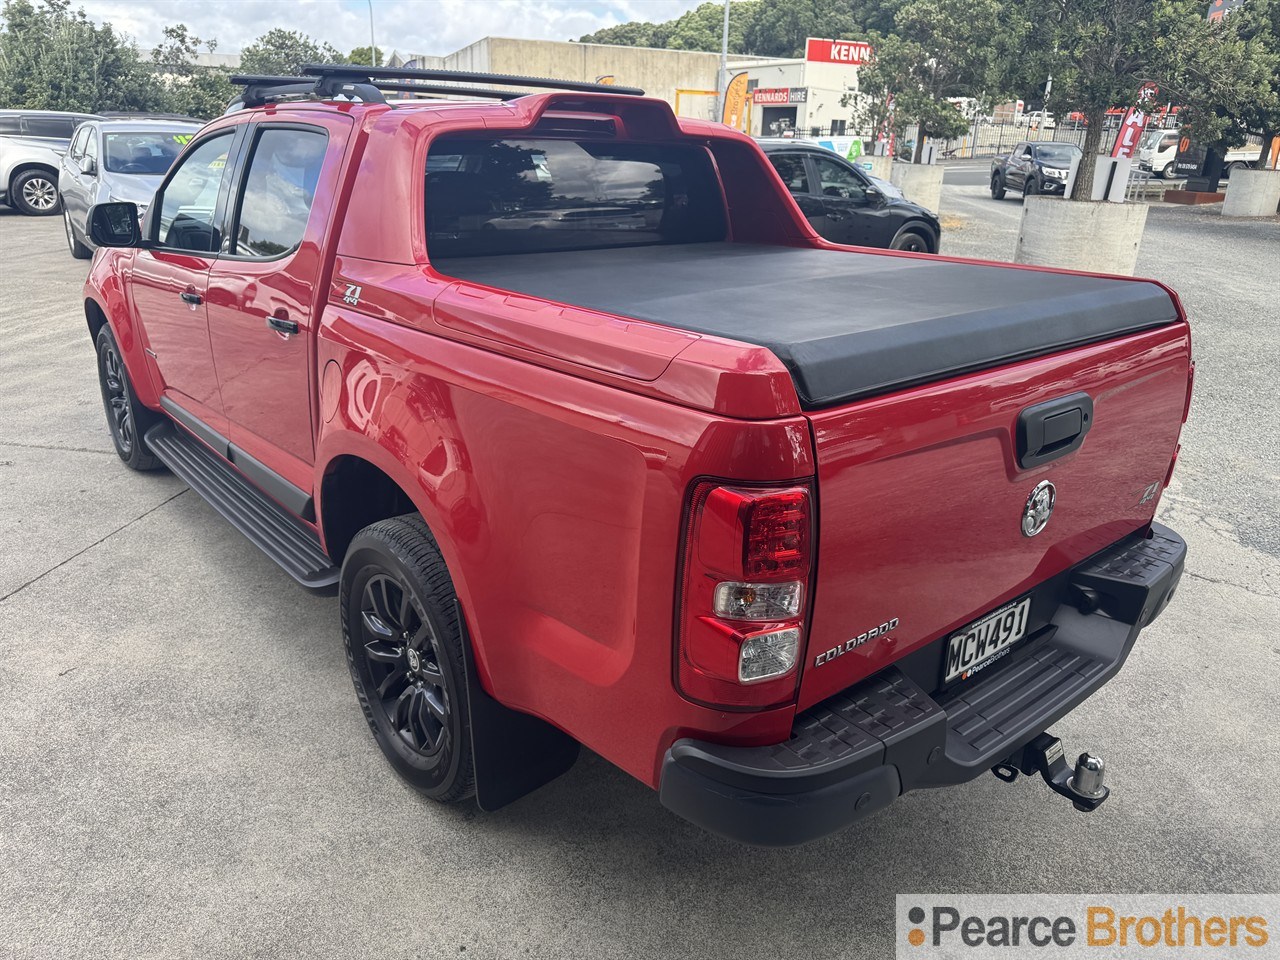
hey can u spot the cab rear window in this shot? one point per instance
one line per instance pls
(524, 196)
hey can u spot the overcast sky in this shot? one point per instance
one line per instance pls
(409, 26)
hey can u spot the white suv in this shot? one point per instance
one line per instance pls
(32, 143)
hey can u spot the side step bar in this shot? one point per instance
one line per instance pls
(269, 526)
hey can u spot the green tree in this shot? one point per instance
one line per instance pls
(283, 53)
(766, 28)
(1246, 52)
(360, 55)
(940, 49)
(190, 89)
(780, 27)
(1101, 52)
(52, 58)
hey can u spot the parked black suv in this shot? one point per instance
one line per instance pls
(845, 205)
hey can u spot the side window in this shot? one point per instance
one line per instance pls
(791, 169)
(191, 196)
(56, 128)
(279, 185)
(837, 180)
(10, 126)
(91, 145)
(77, 145)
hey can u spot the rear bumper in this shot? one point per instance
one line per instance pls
(855, 752)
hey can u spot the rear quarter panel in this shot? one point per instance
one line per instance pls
(557, 502)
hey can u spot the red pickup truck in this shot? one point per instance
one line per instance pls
(601, 444)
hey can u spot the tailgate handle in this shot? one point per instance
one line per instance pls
(1053, 429)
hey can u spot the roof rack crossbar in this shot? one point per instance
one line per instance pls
(355, 71)
(432, 89)
(259, 90)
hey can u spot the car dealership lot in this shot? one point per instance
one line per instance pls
(184, 769)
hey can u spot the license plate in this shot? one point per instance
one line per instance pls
(984, 641)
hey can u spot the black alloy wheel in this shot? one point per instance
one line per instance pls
(1032, 188)
(127, 419)
(404, 647)
(404, 660)
(997, 187)
(910, 242)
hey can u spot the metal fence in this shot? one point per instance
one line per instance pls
(992, 139)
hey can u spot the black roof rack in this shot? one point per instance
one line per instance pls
(439, 89)
(259, 90)
(374, 74)
(365, 84)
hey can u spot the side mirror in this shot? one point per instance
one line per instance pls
(88, 166)
(115, 224)
(873, 193)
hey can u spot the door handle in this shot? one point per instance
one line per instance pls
(1053, 429)
(192, 298)
(282, 325)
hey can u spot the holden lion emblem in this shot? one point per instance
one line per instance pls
(1039, 508)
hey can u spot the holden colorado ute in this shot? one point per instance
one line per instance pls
(600, 444)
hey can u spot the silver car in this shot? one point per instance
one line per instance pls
(115, 160)
(32, 143)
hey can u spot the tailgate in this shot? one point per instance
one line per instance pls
(921, 496)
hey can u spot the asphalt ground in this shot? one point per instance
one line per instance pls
(184, 771)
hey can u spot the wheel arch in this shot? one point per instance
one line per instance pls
(353, 493)
(23, 167)
(105, 306)
(95, 317)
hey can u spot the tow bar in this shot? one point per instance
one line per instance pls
(1044, 755)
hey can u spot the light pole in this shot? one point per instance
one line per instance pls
(373, 46)
(724, 65)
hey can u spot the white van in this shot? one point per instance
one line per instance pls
(1158, 148)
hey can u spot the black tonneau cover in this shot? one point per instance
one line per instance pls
(846, 325)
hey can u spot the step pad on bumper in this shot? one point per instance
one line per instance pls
(981, 718)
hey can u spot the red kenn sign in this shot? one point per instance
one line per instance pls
(837, 51)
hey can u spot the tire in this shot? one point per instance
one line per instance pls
(34, 193)
(78, 249)
(1031, 188)
(912, 241)
(1233, 167)
(1168, 171)
(127, 419)
(404, 647)
(997, 187)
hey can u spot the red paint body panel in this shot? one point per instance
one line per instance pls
(552, 448)
(921, 497)
(257, 367)
(557, 503)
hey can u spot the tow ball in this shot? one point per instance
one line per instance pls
(1044, 755)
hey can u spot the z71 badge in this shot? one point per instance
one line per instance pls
(856, 642)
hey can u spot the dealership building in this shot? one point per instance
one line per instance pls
(804, 96)
(801, 95)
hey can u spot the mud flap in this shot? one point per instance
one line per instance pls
(515, 753)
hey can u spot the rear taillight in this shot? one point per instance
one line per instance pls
(745, 570)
